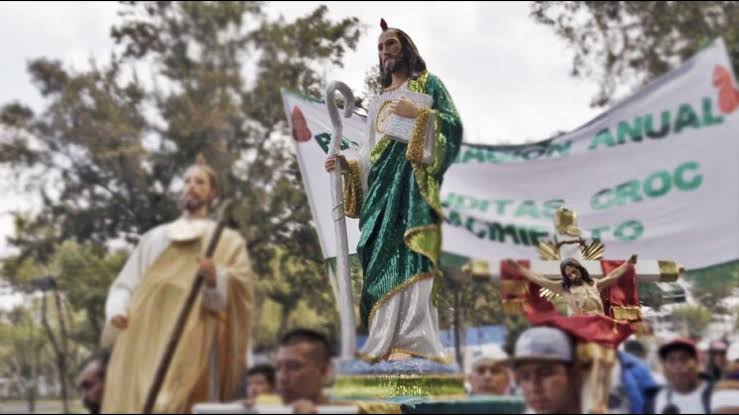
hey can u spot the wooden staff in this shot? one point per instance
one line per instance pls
(179, 326)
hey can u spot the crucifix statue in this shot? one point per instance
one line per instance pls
(601, 296)
(568, 243)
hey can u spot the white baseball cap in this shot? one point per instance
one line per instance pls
(475, 354)
(543, 343)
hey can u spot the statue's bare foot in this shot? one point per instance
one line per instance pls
(395, 356)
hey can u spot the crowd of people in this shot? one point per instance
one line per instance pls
(543, 370)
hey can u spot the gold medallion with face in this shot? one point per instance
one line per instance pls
(383, 116)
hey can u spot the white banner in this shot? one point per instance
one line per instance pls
(657, 175)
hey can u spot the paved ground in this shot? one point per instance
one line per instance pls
(42, 407)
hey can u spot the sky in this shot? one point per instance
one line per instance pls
(508, 76)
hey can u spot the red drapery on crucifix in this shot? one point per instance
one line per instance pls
(620, 301)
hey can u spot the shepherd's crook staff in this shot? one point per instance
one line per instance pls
(179, 326)
(346, 305)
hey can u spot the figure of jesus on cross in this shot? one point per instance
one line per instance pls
(583, 295)
(601, 295)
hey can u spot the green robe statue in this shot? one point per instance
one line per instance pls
(394, 190)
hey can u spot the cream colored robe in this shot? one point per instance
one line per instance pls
(150, 291)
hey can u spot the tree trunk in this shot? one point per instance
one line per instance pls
(58, 351)
(286, 308)
(31, 396)
(62, 357)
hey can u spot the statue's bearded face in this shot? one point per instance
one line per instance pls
(198, 191)
(391, 52)
(573, 274)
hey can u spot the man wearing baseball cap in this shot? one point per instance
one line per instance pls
(487, 370)
(685, 392)
(546, 372)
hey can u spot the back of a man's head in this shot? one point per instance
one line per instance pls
(302, 363)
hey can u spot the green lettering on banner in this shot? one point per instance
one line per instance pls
(323, 140)
(629, 231)
(498, 232)
(680, 180)
(562, 148)
(664, 128)
(453, 218)
(597, 203)
(456, 201)
(473, 153)
(645, 125)
(535, 234)
(527, 208)
(532, 153)
(478, 229)
(604, 137)
(551, 206)
(626, 130)
(686, 117)
(653, 189)
(500, 206)
(597, 233)
(481, 205)
(685, 177)
(627, 191)
(450, 201)
(708, 117)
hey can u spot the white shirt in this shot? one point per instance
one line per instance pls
(690, 403)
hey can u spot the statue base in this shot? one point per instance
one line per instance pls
(413, 377)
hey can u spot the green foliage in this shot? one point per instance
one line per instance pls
(24, 351)
(711, 285)
(515, 325)
(107, 152)
(480, 304)
(693, 319)
(618, 42)
(85, 275)
(650, 295)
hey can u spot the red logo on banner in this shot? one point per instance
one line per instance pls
(301, 133)
(728, 95)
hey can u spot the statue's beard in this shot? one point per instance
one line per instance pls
(391, 66)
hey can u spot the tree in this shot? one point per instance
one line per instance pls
(710, 286)
(85, 274)
(692, 318)
(619, 43)
(25, 353)
(107, 153)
